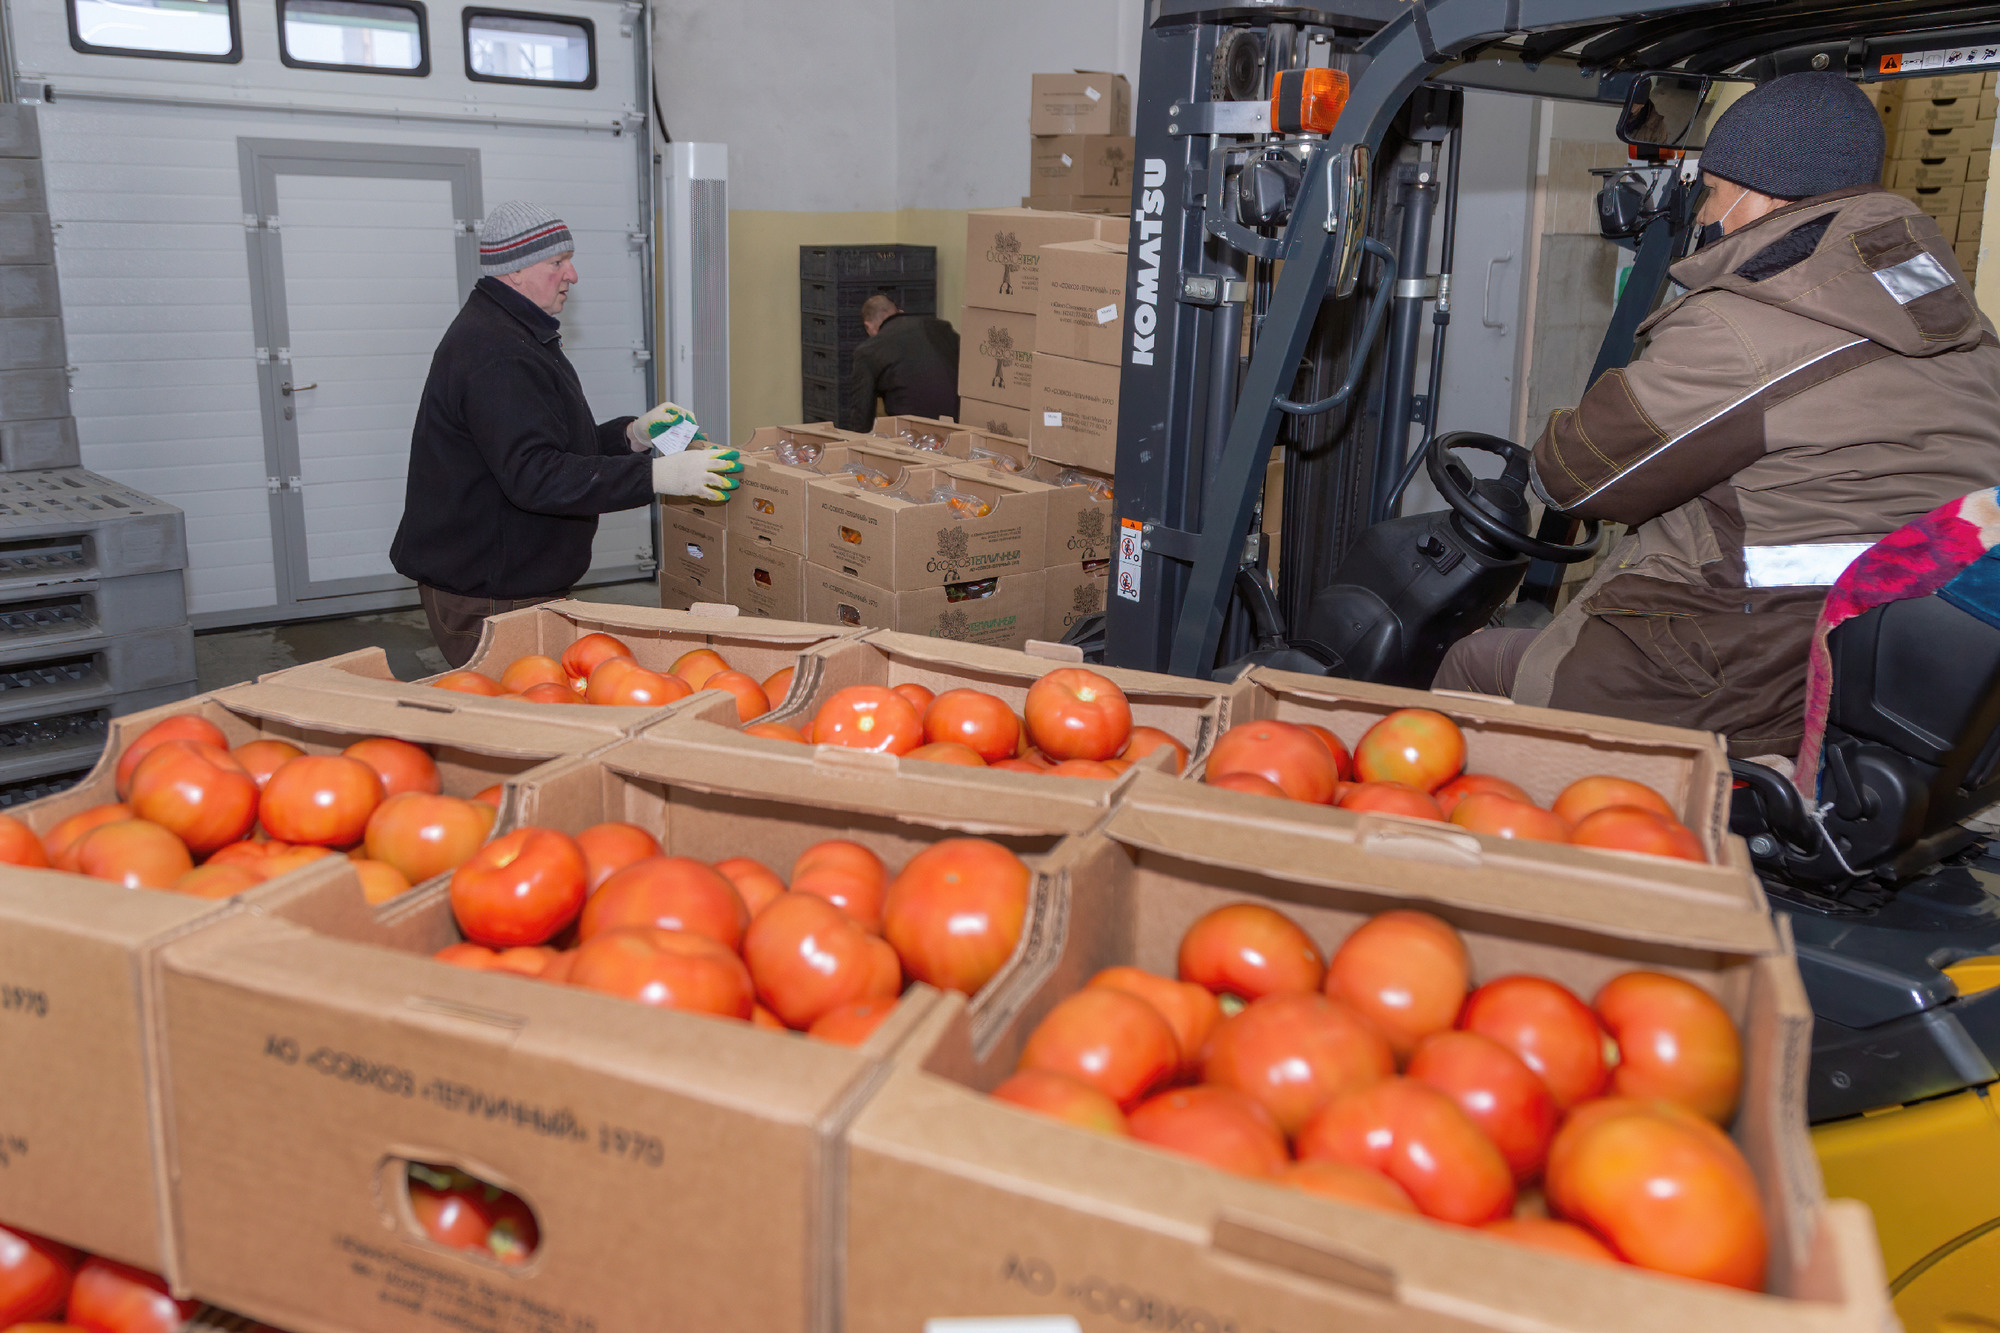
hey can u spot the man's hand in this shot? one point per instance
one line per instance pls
(699, 472)
(669, 427)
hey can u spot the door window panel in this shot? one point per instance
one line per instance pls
(355, 35)
(174, 29)
(503, 47)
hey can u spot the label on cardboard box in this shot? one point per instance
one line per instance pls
(996, 356)
(1082, 399)
(1003, 252)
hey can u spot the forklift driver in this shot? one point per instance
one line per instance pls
(1825, 379)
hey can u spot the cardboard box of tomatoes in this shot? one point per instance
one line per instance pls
(80, 1137)
(678, 1169)
(1257, 1184)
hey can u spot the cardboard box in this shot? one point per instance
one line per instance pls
(684, 1169)
(994, 418)
(959, 1205)
(1936, 85)
(1917, 173)
(1080, 102)
(1000, 611)
(1955, 142)
(1989, 105)
(1075, 592)
(1937, 114)
(765, 581)
(1082, 507)
(1968, 257)
(924, 434)
(996, 357)
(1940, 201)
(1087, 164)
(1003, 254)
(1098, 204)
(1081, 314)
(80, 1137)
(1970, 226)
(900, 543)
(1948, 227)
(1075, 416)
(1977, 164)
(693, 558)
(771, 495)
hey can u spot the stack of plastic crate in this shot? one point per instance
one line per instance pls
(834, 280)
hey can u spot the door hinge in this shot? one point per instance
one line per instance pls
(636, 239)
(641, 354)
(252, 222)
(460, 227)
(277, 484)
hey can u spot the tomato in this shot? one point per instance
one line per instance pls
(524, 673)
(947, 752)
(852, 1023)
(185, 727)
(611, 847)
(1417, 747)
(1349, 1184)
(1078, 714)
(1092, 769)
(1343, 762)
(456, 1217)
(1289, 756)
(1675, 1043)
(667, 893)
(751, 702)
(1115, 1042)
(807, 957)
(527, 960)
(1145, 740)
(584, 656)
(847, 875)
(61, 841)
(1249, 950)
(1550, 1029)
(556, 973)
(197, 793)
(697, 666)
(324, 799)
(490, 795)
(401, 765)
(975, 719)
(669, 969)
(1406, 972)
(1419, 1138)
(778, 685)
(622, 683)
(1062, 1098)
(110, 1297)
(1219, 1126)
(1389, 798)
(1587, 795)
(262, 758)
(1250, 784)
(756, 882)
(868, 717)
(764, 1018)
(1465, 784)
(423, 835)
(954, 915)
(1191, 1011)
(34, 1276)
(1034, 758)
(918, 696)
(474, 957)
(1500, 1094)
(515, 1234)
(1627, 828)
(1546, 1233)
(18, 844)
(776, 731)
(217, 881)
(290, 858)
(136, 853)
(1504, 817)
(548, 694)
(380, 881)
(1664, 1188)
(469, 682)
(1292, 1054)
(519, 889)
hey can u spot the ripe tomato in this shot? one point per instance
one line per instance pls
(1389, 798)
(1417, 747)
(778, 684)
(1675, 1044)
(947, 752)
(136, 853)
(1465, 784)
(401, 765)
(185, 727)
(282, 862)
(529, 960)
(847, 875)
(667, 893)
(1078, 714)
(473, 957)
(919, 697)
(1093, 769)
(669, 969)
(1343, 762)
(619, 682)
(1627, 828)
(975, 719)
(1115, 1042)
(324, 799)
(1587, 795)
(807, 957)
(756, 882)
(515, 1233)
(34, 1276)
(423, 835)
(217, 881)
(1419, 1138)
(611, 847)
(1191, 1011)
(697, 665)
(776, 731)
(519, 889)
(1062, 1098)
(868, 717)
(1546, 1233)
(1248, 783)
(490, 795)
(1503, 817)
(18, 844)
(110, 1297)
(1249, 950)
(851, 1023)
(1219, 1126)
(262, 758)
(582, 657)
(1289, 756)
(524, 673)
(469, 682)
(380, 881)
(764, 1018)
(1664, 1188)
(1550, 1029)
(751, 702)
(549, 694)
(1405, 972)
(197, 793)
(1349, 1184)
(456, 1217)
(1292, 1054)
(1145, 740)
(954, 914)
(1500, 1094)
(61, 841)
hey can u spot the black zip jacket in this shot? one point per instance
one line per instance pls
(911, 365)
(508, 471)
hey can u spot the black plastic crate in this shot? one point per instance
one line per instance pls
(846, 262)
(821, 400)
(835, 364)
(837, 298)
(843, 328)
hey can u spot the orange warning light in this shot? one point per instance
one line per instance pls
(1307, 101)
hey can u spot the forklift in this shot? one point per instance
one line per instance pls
(1293, 161)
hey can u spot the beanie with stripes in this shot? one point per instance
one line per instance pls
(517, 234)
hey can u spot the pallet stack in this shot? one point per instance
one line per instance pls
(834, 280)
(1940, 133)
(93, 608)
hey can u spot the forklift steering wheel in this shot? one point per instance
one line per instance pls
(1456, 485)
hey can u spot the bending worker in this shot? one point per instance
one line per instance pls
(910, 362)
(508, 468)
(1826, 379)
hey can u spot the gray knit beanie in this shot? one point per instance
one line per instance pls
(517, 234)
(1796, 137)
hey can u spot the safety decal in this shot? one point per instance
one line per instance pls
(1129, 551)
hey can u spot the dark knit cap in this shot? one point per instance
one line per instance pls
(1798, 136)
(517, 234)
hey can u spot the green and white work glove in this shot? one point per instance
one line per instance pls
(669, 427)
(705, 473)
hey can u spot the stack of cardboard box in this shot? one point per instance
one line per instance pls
(1940, 132)
(1081, 146)
(750, 550)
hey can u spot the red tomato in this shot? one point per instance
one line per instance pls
(262, 758)
(423, 835)
(776, 731)
(1500, 1094)
(1289, 756)
(764, 1018)
(62, 841)
(291, 858)
(1546, 1233)
(529, 960)
(524, 673)
(1145, 740)
(489, 795)
(1389, 798)
(1191, 1011)
(1062, 1098)
(1078, 714)
(756, 882)
(955, 912)
(947, 752)
(1465, 784)
(847, 875)
(185, 727)
(667, 893)
(18, 844)
(612, 846)
(546, 693)
(1115, 1042)
(1417, 747)
(1406, 972)
(1249, 784)
(1343, 762)
(1664, 1188)
(868, 717)
(1249, 950)
(195, 792)
(34, 1276)
(1550, 1029)
(669, 969)
(584, 656)
(975, 719)
(1095, 770)
(515, 1233)
(469, 682)
(136, 853)
(401, 765)
(456, 1217)
(519, 889)
(110, 1297)
(622, 683)
(919, 697)
(807, 957)
(1675, 1044)
(1419, 1138)
(1503, 817)
(1349, 1184)
(851, 1023)
(1219, 1126)
(1292, 1054)
(778, 685)
(1587, 795)
(698, 666)
(751, 702)
(324, 799)
(216, 882)
(474, 957)
(380, 881)
(1627, 828)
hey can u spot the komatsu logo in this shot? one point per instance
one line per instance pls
(1146, 300)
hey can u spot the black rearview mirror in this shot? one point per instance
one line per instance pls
(1666, 111)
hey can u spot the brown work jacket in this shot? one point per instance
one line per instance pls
(1825, 379)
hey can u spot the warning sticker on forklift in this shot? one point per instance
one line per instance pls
(1129, 551)
(1953, 58)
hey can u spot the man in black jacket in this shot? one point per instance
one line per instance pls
(508, 468)
(910, 362)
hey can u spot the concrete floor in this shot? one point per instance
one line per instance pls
(229, 657)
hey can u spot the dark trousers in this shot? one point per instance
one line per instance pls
(1485, 662)
(456, 622)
